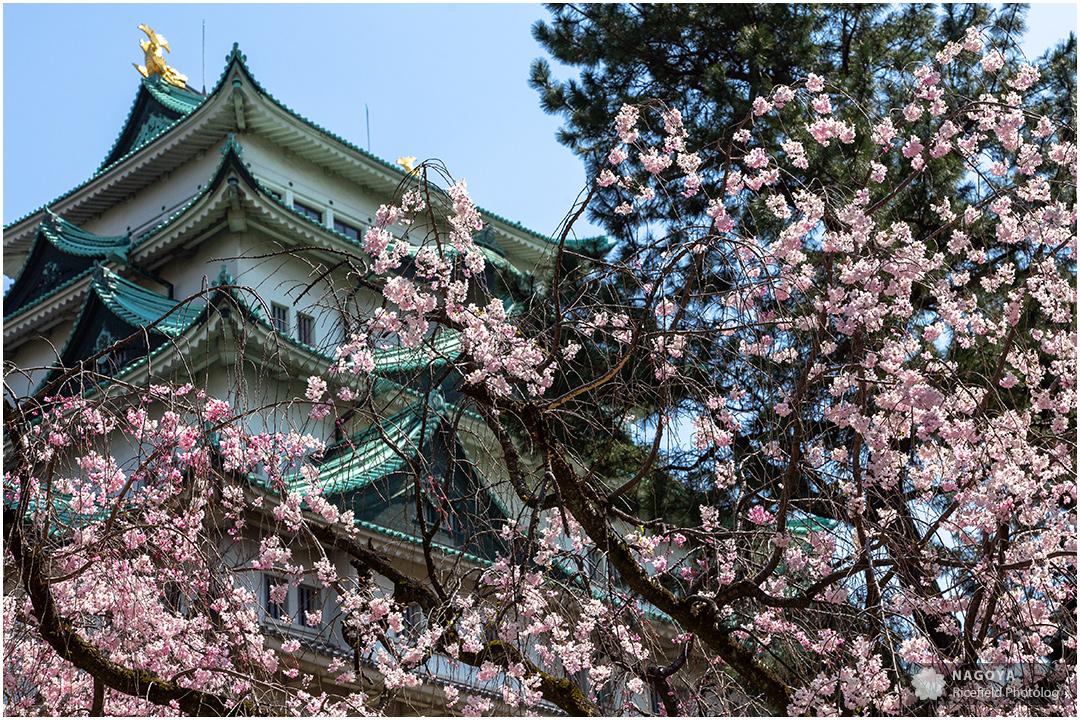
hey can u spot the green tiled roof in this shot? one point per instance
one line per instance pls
(153, 90)
(70, 240)
(599, 243)
(141, 307)
(71, 236)
(413, 540)
(175, 98)
(807, 525)
(134, 305)
(366, 457)
(447, 344)
(73, 240)
(43, 298)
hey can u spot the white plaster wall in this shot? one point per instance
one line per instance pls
(189, 274)
(296, 282)
(311, 184)
(36, 352)
(157, 201)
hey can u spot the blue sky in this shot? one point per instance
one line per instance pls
(440, 81)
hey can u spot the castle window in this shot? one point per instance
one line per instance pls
(347, 230)
(308, 602)
(305, 329)
(431, 515)
(276, 610)
(414, 621)
(280, 315)
(311, 212)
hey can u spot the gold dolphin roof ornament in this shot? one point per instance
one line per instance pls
(155, 61)
(409, 164)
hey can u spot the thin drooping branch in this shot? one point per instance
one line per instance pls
(706, 625)
(559, 691)
(67, 643)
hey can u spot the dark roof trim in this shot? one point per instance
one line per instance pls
(157, 107)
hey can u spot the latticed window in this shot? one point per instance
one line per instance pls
(280, 316)
(445, 518)
(414, 620)
(308, 602)
(305, 329)
(347, 230)
(276, 610)
(311, 212)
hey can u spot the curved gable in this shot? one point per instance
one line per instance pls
(62, 253)
(158, 105)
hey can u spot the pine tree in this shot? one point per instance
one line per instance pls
(712, 60)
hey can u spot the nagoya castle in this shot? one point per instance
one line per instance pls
(213, 238)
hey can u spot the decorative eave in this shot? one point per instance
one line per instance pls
(139, 168)
(116, 308)
(268, 118)
(61, 255)
(157, 106)
(235, 197)
(233, 188)
(373, 453)
(207, 208)
(73, 240)
(140, 307)
(49, 310)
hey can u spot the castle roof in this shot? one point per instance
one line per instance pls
(167, 126)
(157, 107)
(62, 254)
(380, 450)
(142, 308)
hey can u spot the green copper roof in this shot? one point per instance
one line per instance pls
(413, 540)
(181, 100)
(135, 307)
(44, 273)
(372, 454)
(807, 525)
(599, 244)
(42, 298)
(446, 344)
(157, 107)
(73, 240)
(140, 307)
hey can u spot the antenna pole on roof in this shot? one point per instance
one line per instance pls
(204, 56)
(367, 116)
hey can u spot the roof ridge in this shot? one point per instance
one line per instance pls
(68, 239)
(80, 242)
(141, 307)
(151, 87)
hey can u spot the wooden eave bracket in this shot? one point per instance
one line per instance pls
(238, 104)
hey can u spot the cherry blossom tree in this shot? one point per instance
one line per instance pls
(869, 424)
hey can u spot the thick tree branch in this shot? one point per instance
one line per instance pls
(71, 646)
